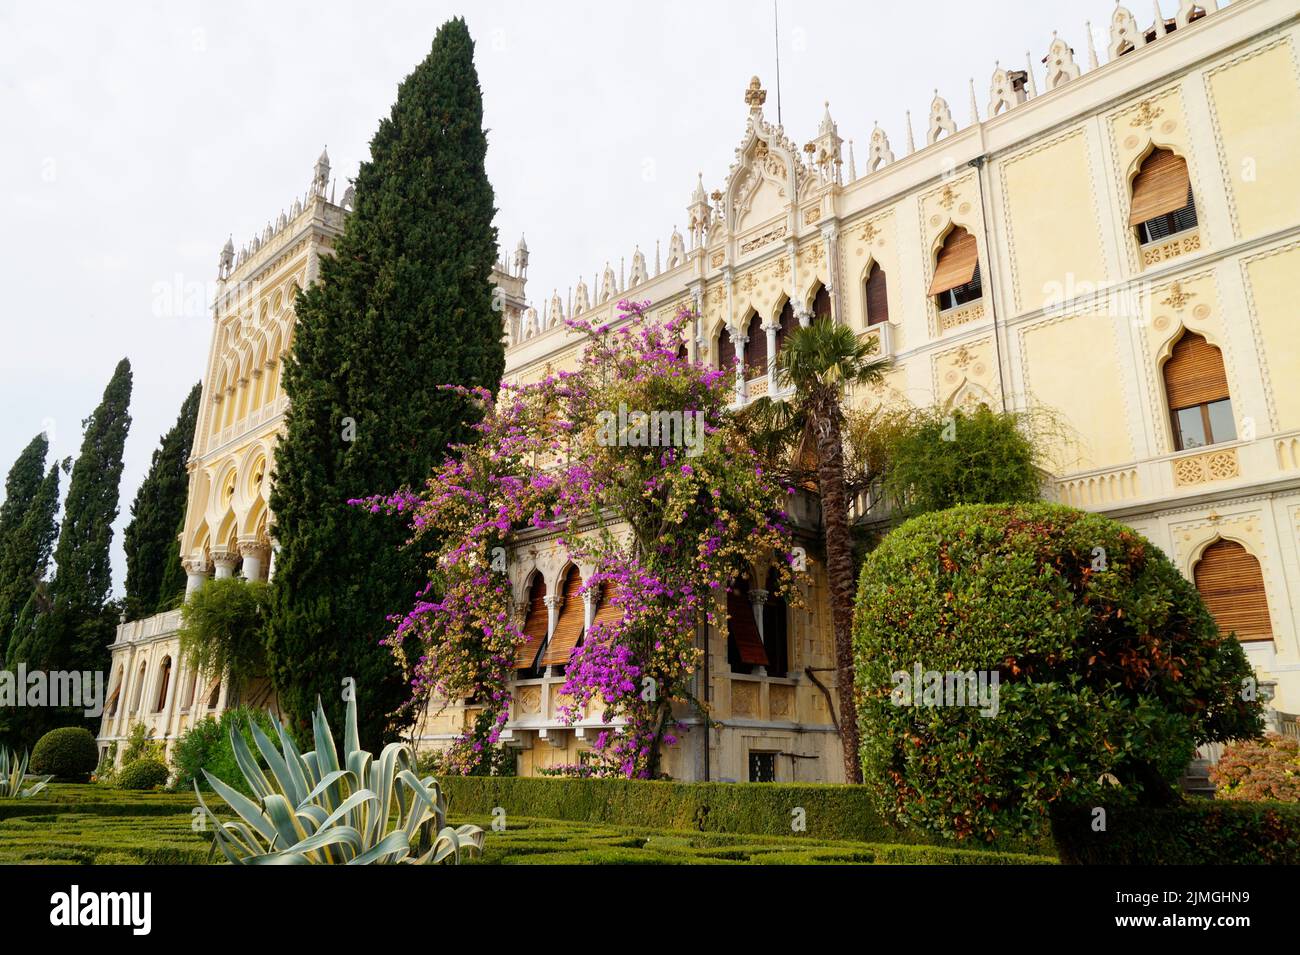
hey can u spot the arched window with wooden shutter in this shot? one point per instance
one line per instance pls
(786, 323)
(536, 625)
(1232, 586)
(776, 621)
(1196, 387)
(956, 270)
(1162, 197)
(877, 296)
(744, 643)
(756, 349)
(821, 304)
(569, 624)
(164, 681)
(726, 349)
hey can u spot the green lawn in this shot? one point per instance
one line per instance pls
(94, 825)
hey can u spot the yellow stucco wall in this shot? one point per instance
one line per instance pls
(1271, 279)
(1256, 101)
(1084, 385)
(1051, 221)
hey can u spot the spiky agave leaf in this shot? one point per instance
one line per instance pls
(13, 774)
(313, 809)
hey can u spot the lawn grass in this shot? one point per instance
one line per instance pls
(96, 825)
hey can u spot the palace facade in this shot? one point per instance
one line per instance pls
(1113, 236)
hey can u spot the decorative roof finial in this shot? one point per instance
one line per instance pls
(755, 95)
(974, 110)
(1092, 47)
(1029, 68)
(911, 144)
(853, 166)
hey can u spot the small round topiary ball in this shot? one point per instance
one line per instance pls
(1008, 657)
(68, 753)
(146, 773)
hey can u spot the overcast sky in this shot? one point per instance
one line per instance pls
(135, 137)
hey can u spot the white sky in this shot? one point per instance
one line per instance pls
(135, 137)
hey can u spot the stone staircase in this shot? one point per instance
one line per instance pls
(1196, 779)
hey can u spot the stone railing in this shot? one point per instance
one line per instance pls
(1201, 468)
(1098, 488)
(159, 624)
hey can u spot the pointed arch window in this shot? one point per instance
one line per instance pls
(877, 296)
(756, 349)
(956, 270)
(164, 680)
(1163, 204)
(537, 624)
(726, 349)
(821, 305)
(1232, 586)
(786, 323)
(1196, 387)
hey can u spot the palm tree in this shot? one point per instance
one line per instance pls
(804, 427)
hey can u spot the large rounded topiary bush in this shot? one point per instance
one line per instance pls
(68, 753)
(146, 773)
(1107, 664)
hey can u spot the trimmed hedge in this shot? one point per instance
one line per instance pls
(830, 811)
(1198, 832)
(69, 753)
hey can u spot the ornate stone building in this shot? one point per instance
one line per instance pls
(1115, 241)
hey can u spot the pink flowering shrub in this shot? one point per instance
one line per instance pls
(670, 525)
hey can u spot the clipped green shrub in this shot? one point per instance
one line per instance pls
(206, 745)
(1197, 832)
(1107, 662)
(828, 811)
(945, 458)
(1259, 769)
(68, 753)
(146, 773)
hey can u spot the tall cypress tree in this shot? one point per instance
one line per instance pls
(150, 538)
(25, 555)
(22, 484)
(405, 305)
(75, 629)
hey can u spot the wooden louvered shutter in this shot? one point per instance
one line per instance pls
(726, 350)
(569, 625)
(1231, 585)
(756, 349)
(1160, 186)
(1194, 373)
(608, 613)
(877, 296)
(956, 262)
(744, 629)
(536, 623)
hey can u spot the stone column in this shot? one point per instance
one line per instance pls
(770, 328)
(831, 235)
(225, 561)
(196, 572)
(742, 390)
(255, 553)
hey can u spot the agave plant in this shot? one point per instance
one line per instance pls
(310, 810)
(13, 773)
